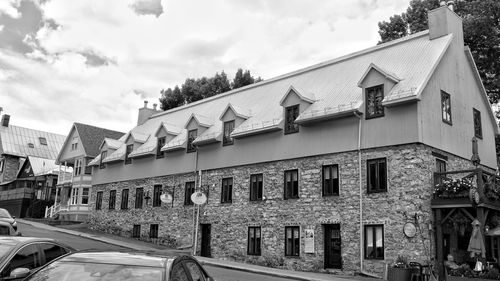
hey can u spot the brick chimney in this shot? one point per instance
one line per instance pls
(5, 120)
(145, 113)
(443, 21)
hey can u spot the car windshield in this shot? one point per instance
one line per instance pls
(4, 214)
(70, 271)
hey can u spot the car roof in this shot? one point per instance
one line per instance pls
(15, 240)
(138, 258)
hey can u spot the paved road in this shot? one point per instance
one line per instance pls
(80, 243)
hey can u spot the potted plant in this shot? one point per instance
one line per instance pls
(400, 270)
(465, 273)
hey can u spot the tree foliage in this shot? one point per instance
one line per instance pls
(196, 89)
(481, 21)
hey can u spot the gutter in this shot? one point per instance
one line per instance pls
(361, 240)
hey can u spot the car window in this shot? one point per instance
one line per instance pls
(179, 273)
(4, 214)
(52, 251)
(4, 230)
(26, 257)
(195, 271)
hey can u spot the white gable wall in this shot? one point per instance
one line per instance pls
(69, 155)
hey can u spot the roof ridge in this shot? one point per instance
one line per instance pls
(36, 130)
(299, 71)
(101, 128)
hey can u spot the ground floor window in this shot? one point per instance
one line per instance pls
(85, 195)
(254, 240)
(292, 241)
(374, 242)
(153, 231)
(98, 200)
(136, 231)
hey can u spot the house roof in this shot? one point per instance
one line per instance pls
(410, 61)
(15, 140)
(92, 137)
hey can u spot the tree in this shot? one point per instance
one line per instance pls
(242, 79)
(171, 98)
(481, 21)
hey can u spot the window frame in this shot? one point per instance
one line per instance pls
(112, 200)
(295, 241)
(377, 106)
(98, 200)
(104, 154)
(136, 231)
(85, 195)
(286, 195)
(377, 189)
(290, 126)
(226, 195)
(43, 141)
(227, 129)
(478, 126)
(124, 199)
(157, 190)
(153, 230)
(129, 148)
(191, 136)
(160, 142)
(256, 187)
(374, 239)
(139, 198)
(189, 189)
(254, 248)
(446, 101)
(332, 182)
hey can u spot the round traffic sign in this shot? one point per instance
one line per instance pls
(198, 198)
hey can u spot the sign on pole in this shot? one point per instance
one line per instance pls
(198, 198)
(166, 198)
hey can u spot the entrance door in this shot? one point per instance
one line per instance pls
(333, 249)
(205, 240)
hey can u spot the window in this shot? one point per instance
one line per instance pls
(179, 272)
(1, 165)
(189, 190)
(74, 195)
(98, 201)
(440, 168)
(85, 196)
(195, 271)
(128, 160)
(254, 240)
(26, 257)
(52, 251)
(159, 145)
(377, 175)
(478, 131)
(124, 204)
(228, 128)
(153, 231)
(103, 155)
(291, 113)
(291, 184)
(43, 141)
(191, 137)
(139, 195)
(374, 97)
(136, 231)
(156, 195)
(74, 143)
(256, 182)
(374, 242)
(78, 167)
(446, 107)
(88, 169)
(112, 199)
(227, 190)
(292, 241)
(330, 180)
(31, 145)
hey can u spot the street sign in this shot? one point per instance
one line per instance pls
(198, 198)
(166, 198)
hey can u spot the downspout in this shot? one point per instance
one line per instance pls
(361, 240)
(195, 224)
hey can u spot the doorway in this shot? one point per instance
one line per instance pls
(333, 246)
(205, 240)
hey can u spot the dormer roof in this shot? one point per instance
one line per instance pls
(305, 96)
(179, 142)
(169, 129)
(138, 137)
(201, 120)
(388, 75)
(238, 111)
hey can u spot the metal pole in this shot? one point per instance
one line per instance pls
(196, 229)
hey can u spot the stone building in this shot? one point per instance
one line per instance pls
(318, 169)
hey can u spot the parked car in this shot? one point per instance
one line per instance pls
(126, 266)
(7, 229)
(24, 254)
(5, 216)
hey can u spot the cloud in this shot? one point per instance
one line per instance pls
(148, 7)
(10, 8)
(94, 59)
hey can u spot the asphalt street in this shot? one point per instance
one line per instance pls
(81, 243)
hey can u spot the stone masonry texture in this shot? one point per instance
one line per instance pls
(409, 190)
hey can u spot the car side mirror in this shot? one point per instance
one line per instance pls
(18, 273)
(19, 234)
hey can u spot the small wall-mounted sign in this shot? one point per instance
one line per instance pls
(309, 241)
(166, 198)
(199, 198)
(410, 230)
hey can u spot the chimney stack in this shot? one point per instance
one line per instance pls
(154, 106)
(443, 21)
(145, 104)
(450, 4)
(5, 120)
(145, 113)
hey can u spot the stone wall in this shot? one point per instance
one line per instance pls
(409, 190)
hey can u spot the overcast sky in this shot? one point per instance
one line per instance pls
(96, 61)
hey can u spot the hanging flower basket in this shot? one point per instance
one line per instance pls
(453, 188)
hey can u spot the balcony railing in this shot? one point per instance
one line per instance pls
(64, 177)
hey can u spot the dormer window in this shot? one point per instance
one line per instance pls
(192, 134)
(31, 145)
(159, 145)
(103, 155)
(228, 128)
(291, 113)
(43, 141)
(128, 160)
(74, 143)
(374, 97)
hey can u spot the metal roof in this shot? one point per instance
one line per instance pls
(42, 166)
(25, 142)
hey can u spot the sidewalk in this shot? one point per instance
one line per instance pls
(82, 231)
